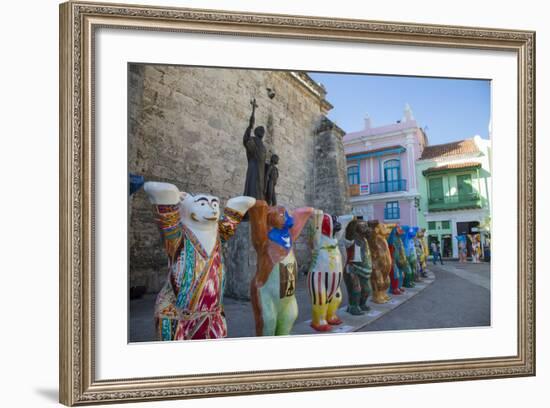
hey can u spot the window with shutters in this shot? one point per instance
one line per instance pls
(436, 190)
(464, 185)
(353, 175)
(392, 175)
(391, 211)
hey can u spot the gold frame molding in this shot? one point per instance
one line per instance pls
(78, 22)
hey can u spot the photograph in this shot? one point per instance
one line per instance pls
(253, 202)
(274, 204)
(279, 202)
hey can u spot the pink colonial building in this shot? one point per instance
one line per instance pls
(381, 170)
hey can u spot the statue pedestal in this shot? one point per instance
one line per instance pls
(240, 263)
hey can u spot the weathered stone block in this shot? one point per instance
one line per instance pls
(240, 263)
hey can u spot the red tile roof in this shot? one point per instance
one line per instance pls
(449, 149)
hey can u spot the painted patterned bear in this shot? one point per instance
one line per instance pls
(272, 290)
(190, 304)
(326, 270)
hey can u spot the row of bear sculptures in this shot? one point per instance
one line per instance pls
(380, 259)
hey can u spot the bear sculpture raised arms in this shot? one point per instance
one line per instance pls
(325, 272)
(421, 252)
(399, 260)
(190, 304)
(358, 268)
(410, 251)
(272, 289)
(377, 237)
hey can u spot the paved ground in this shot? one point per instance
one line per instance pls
(239, 315)
(458, 297)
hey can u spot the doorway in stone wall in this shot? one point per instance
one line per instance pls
(446, 246)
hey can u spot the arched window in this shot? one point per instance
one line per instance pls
(353, 175)
(392, 175)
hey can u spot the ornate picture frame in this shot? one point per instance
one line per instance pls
(78, 24)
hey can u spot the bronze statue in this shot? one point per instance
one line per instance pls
(271, 177)
(256, 155)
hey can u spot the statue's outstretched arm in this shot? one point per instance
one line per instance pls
(258, 224)
(300, 215)
(317, 227)
(241, 203)
(162, 193)
(233, 214)
(166, 197)
(251, 122)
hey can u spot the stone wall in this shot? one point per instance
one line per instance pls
(329, 171)
(186, 126)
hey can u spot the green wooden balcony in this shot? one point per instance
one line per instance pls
(454, 202)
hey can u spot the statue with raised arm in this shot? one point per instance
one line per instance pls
(190, 304)
(272, 289)
(256, 155)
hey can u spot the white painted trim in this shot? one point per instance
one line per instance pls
(371, 159)
(371, 137)
(376, 198)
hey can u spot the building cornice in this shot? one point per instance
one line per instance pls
(396, 129)
(450, 159)
(312, 88)
(382, 151)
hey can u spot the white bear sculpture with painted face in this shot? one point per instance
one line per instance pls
(190, 304)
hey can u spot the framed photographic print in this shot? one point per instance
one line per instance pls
(257, 203)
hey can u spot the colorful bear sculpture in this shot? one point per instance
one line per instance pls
(326, 270)
(410, 251)
(272, 289)
(190, 304)
(377, 237)
(399, 260)
(358, 267)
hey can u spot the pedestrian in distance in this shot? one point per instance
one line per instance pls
(436, 252)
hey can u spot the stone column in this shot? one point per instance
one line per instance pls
(409, 144)
(454, 242)
(330, 179)
(240, 263)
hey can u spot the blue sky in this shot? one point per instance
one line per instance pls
(452, 109)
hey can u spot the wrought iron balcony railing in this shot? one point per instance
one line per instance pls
(378, 187)
(388, 186)
(454, 202)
